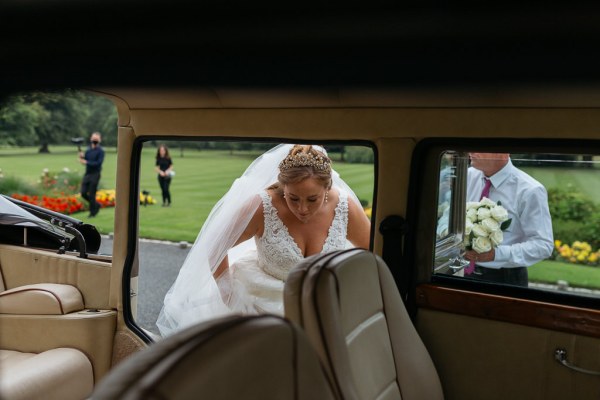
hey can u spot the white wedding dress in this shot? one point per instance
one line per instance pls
(259, 266)
(258, 277)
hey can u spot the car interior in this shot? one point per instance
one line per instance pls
(421, 87)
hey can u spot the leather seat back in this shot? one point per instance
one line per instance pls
(351, 310)
(258, 357)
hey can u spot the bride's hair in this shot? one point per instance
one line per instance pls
(303, 162)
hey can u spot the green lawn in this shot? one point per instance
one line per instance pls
(577, 275)
(202, 177)
(586, 181)
(28, 164)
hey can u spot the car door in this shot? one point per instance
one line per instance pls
(495, 340)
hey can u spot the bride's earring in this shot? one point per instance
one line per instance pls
(326, 196)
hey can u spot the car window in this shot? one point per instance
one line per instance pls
(537, 225)
(41, 137)
(174, 205)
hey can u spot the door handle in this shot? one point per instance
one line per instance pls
(560, 355)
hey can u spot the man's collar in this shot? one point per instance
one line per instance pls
(499, 177)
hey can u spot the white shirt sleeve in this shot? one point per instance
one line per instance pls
(536, 242)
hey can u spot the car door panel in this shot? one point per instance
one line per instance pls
(497, 347)
(23, 266)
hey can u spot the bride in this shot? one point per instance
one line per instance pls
(289, 204)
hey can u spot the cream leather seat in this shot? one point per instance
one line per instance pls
(350, 308)
(252, 357)
(59, 373)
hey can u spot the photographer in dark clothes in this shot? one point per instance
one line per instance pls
(92, 159)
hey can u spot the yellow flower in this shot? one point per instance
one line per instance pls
(565, 251)
(368, 211)
(557, 243)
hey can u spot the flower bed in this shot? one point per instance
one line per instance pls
(63, 204)
(578, 253)
(69, 204)
(57, 187)
(106, 198)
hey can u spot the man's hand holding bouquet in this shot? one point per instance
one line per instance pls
(485, 222)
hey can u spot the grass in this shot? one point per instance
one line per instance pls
(202, 177)
(586, 181)
(27, 163)
(577, 275)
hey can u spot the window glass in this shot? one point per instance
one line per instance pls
(42, 135)
(175, 204)
(527, 219)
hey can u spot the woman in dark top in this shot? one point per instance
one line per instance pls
(164, 167)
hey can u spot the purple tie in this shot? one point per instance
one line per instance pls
(486, 189)
(484, 193)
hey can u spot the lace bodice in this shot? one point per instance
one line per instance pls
(277, 250)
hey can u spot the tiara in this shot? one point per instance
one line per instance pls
(305, 160)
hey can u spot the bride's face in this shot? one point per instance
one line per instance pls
(304, 198)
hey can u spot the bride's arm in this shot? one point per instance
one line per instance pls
(251, 230)
(359, 226)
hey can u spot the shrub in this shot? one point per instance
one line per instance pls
(359, 154)
(64, 181)
(11, 184)
(568, 231)
(591, 230)
(575, 217)
(565, 204)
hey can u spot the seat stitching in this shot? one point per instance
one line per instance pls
(387, 387)
(363, 325)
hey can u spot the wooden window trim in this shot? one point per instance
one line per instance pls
(581, 321)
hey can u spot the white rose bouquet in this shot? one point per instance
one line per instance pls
(485, 222)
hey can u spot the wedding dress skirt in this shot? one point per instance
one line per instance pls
(253, 290)
(256, 277)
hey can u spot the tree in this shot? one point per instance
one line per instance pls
(45, 118)
(101, 117)
(18, 121)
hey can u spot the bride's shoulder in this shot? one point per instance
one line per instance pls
(336, 193)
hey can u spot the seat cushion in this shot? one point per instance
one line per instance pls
(41, 298)
(60, 374)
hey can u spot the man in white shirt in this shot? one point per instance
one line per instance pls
(529, 238)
